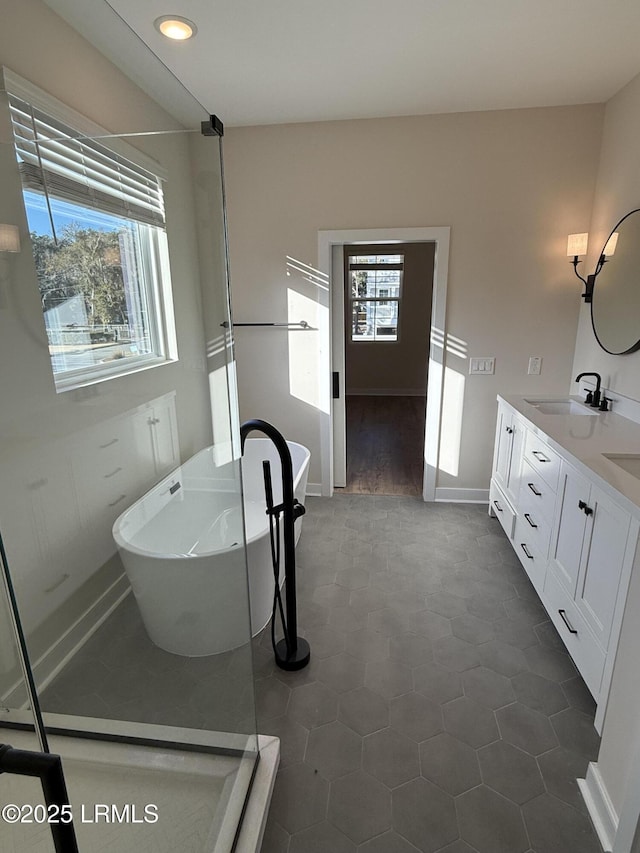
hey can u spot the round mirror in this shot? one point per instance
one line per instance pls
(615, 306)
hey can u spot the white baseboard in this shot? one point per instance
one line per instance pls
(48, 665)
(463, 496)
(601, 810)
(386, 392)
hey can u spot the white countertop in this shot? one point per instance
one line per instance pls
(583, 440)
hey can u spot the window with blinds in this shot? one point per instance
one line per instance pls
(97, 226)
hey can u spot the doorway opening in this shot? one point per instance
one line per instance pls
(387, 309)
(385, 441)
(331, 246)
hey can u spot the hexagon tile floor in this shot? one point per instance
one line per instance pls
(440, 712)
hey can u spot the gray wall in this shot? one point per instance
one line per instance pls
(511, 185)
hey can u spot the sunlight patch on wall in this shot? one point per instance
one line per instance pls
(452, 406)
(309, 273)
(445, 341)
(223, 391)
(304, 379)
(456, 346)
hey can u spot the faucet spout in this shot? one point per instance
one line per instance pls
(593, 397)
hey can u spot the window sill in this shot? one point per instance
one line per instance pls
(88, 378)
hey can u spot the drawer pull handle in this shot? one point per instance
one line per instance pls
(117, 500)
(587, 510)
(509, 430)
(528, 517)
(113, 473)
(497, 506)
(57, 583)
(534, 490)
(540, 456)
(563, 614)
(526, 551)
(38, 484)
(109, 443)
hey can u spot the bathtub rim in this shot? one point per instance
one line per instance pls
(127, 545)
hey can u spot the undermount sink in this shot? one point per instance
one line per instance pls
(629, 462)
(561, 407)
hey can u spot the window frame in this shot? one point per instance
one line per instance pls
(355, 266)
(155, 286)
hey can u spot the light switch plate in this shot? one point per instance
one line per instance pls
(535, 365)
(484, 366)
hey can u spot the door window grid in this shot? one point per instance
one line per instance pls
(375, 287)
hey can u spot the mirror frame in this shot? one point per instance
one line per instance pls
(635, 347)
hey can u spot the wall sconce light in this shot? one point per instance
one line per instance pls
(577, 246)
(9, 238)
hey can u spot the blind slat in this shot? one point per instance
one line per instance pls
(52, 159)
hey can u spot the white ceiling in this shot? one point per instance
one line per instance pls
(272, 61)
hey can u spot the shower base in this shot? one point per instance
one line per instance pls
(147, 799)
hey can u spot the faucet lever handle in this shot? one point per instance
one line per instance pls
(589, 397)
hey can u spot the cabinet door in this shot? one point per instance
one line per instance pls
(144, 457)
(516, 463)
(570, 528)
(602, 561)
(503, 445)
(164, 436)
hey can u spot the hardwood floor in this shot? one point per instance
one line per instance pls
(385, 441)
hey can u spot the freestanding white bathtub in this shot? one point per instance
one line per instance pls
(182, 546)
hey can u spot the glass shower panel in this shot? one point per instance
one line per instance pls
(20, 728)
(121, 507)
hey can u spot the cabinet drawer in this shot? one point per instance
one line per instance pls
(587, 655)
(534, 562)
(534, 523)
(544, 461)
(535, 489)
(502, 509)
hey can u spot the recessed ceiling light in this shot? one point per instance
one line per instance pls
(175, 27)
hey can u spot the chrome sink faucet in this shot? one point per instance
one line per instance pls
(593, 397)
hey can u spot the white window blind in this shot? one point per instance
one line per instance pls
(53, 160)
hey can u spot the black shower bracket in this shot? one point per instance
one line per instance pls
(212, 127)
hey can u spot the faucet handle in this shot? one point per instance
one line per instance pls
(589, 397)
(604, 404)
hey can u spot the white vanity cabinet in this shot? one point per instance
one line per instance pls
(63, 498)
(575, 541)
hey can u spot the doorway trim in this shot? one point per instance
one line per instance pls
(332, 357)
